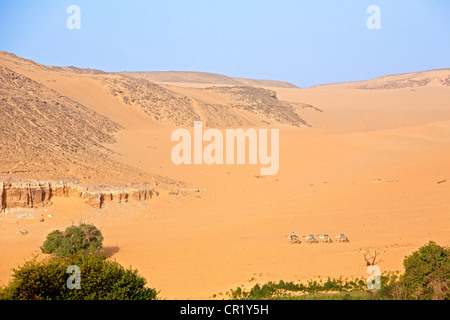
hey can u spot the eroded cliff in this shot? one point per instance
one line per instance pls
(34, 194)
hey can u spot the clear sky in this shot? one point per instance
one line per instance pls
(303, 42)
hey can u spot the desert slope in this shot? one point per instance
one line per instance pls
(47, 134)
(65, 118)
(163, 105)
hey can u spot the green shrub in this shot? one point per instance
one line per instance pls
(84, 238)
(392, 291)
(273, 290)
(101, 279)
(426, 276)
(427, 273)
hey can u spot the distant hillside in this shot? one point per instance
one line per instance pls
(205, 78)
(77, 70)
(47, 133)
(60, 122)
(215, 106)
(435, 78)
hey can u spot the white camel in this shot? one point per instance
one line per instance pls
(325, 238)
(341, 238)
(310, 238)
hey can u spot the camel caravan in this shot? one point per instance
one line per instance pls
(294, 239)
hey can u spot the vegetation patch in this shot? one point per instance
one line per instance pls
(75, 270)
(426, 277)
(84, 238)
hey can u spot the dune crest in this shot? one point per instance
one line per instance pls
(430, 78)
(195, 78)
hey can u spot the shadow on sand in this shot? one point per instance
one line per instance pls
(110, 251)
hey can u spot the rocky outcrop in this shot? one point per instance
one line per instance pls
(98, 198)
(34, 194)
(170, 107)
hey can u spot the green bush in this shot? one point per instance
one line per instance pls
(273, 290)
(84, 238)
(426, 276)
(427, 273)
(392, 291)
(101, 279)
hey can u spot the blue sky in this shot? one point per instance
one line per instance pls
(303, 42)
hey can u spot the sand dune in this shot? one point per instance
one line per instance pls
(430, 78)
(196, 78)
(368, 166)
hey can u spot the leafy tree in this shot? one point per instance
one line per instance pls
(427, 273)
(84, 238)
(101, 279)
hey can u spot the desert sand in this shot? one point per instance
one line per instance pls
(367, 166)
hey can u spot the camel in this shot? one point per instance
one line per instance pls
(295, 240)
(342, 238)
(310, 239)
(325, 238)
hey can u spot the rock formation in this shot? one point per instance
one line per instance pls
(34, 194)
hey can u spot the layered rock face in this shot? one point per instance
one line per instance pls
(97, 198)
(34, 194)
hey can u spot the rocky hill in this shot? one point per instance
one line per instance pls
(168, 107)
(43, 131)
(205, 78)
(57, 122)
